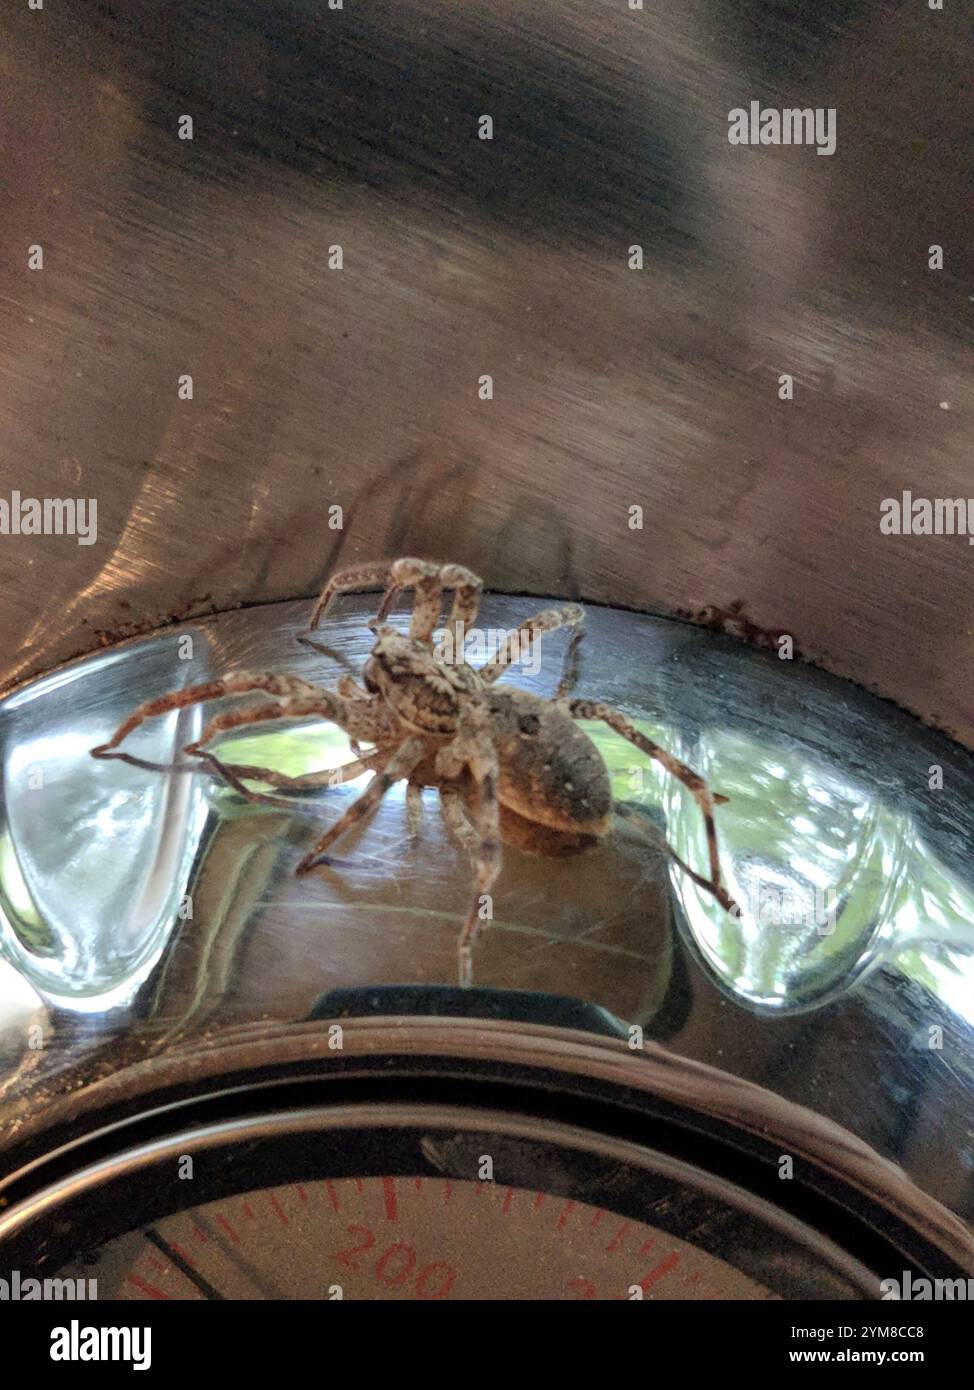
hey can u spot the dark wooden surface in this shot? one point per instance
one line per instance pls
(612, 387)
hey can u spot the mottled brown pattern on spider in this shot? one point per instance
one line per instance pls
(510, 767)
(551, 773)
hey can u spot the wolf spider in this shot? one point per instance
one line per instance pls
(509, 766)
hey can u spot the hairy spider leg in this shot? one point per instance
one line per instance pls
(695, 784)
(473, 749)
(571, 667)
(400, 765)
(414, 808)
(520, 643)
(458, 827)
(722, 897)
(429, 580)
(346, 581)
(302, 700)
(233, 773)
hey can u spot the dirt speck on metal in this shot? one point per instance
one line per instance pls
(735, 622)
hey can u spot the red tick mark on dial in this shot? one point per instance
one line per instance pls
(617, 1238)
(565, 1212)
(222, 1221)
(659, 1272)
(145, 1288)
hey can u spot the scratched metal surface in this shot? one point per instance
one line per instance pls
(612, 388)
(828, 786)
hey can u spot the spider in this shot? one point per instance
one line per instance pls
(509, 766)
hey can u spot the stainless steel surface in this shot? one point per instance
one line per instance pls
(356, 127)
(101, 865)
(249, 1066)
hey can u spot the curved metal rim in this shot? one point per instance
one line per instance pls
(655, 1071)
(450, 1119)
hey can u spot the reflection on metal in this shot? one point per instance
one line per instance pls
(157, 906)
(92, 870)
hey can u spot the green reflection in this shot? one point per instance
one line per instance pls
(17, 905)
(291, 750)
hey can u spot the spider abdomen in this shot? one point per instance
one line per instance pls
(553, 786)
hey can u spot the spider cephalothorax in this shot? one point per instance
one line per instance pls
(509, 766)
(424, 692)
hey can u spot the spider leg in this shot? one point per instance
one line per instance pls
(485, 853)
(414, 808)
(457, 825)
(144, 763)
(429, 580)
(572, 665)
(399, 765)
(695, 784)
(331, 652)
(347, 688)
(344, 582)
(520, 642)
(301, 701)
(288, 709)
(466, 603)
(232, 773)
(424, 577)
(621, 809)
(473, 749)
(238, 683)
